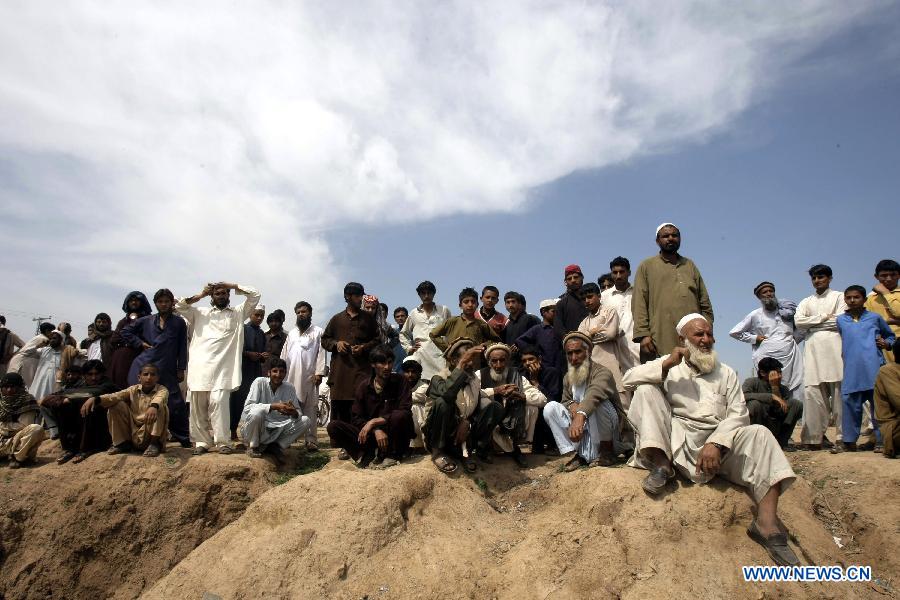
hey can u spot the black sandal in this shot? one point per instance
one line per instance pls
(471, 465)
(444, 464)
(66, 457)
(79, 458)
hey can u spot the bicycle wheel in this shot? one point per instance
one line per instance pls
(323, 411)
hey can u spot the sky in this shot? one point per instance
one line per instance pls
(298, 146)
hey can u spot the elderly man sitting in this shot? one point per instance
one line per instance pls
(521, 401)
(587, 415)
(20, 433)
(459, 411)
(688, 412)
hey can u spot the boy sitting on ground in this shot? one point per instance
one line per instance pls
(138, 415)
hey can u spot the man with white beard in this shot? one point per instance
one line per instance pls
(689, 416)
(586, 422)
(521, 401)
(770, 329)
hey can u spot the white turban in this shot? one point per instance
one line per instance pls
(261, 307)
(687, 319)
(661, 225)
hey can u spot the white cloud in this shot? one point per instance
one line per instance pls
(177, 142)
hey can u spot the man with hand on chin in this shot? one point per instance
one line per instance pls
(689, 416)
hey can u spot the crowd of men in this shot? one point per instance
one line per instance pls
(609, 372)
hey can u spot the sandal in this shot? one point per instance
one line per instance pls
(444, 464)
(151, 451)
(470, 464)
(79, 458)
(66, 457)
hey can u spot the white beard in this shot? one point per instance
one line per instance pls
(578, 375)
(499, 377)
(703, 361)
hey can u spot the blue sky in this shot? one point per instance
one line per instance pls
(496, 149)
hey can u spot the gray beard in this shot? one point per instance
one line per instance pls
(705, 362)
(770, 305)
(578, 375)
(499, 377)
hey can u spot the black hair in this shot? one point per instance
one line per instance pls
(279, 313)
(426, 286)
(149, 366)
(399, 308)
(383, 307)
(46, 328)
(886, 265)
(301, 304)
(381, 353)
(533, 350)
(620, 261)
(411, 365)
(93, 365)
(515, 295)
(490, 288)
(163, 292)
(589, 288)
(274, 316)
(73, 368)
(103, 316)
(856, 288)
(2, 319)
(277, 363)
(769, 364)
(67, 329)
(602, 278)
(820, 270)
(468, 292)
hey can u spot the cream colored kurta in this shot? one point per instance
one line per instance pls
(605, 321)
(698, 409)
(24, 362)
(627, 352)
(417, 329)
(705, 408)
(217, 342)
(817, 314)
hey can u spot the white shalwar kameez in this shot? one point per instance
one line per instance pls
(686, 410)
(417, 328)
(305, 359)
(779, 344)
(214, 364)
(260, 426)
(824, 366)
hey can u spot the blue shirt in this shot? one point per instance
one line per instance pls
(168, 351)
(548, 339)
(862, 358)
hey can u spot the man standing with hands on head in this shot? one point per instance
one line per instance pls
(666, 287)
(214, 363)
(350, 335)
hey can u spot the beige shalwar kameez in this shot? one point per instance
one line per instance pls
(686, 410)
(126, 411)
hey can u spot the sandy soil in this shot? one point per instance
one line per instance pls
(411, 532)
(180, 528)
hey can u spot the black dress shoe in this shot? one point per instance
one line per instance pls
(775, 544)
(656, 480)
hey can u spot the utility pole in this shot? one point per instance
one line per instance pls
(38, 321)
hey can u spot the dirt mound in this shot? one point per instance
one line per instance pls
(410, 532)
(113, 525)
